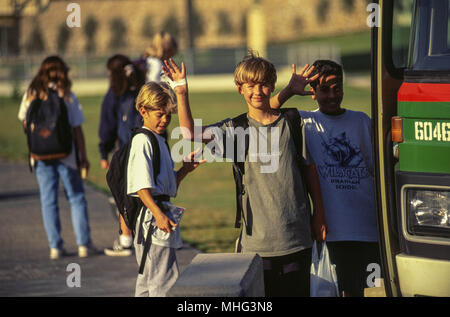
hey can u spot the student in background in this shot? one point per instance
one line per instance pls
(53, 78)
(163, 46)
(118, 117)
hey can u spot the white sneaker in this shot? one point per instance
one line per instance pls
(56, 253)
(118, 250)
(85, 250)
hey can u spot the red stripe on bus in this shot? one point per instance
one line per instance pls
(424, 92)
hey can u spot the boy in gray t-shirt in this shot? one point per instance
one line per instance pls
(275, 206)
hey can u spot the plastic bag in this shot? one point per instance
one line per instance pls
(323, 274)
(174, 213)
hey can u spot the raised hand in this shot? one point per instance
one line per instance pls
(176, 75)
(172, 70)
(299, 81)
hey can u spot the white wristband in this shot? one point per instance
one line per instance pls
(174, 84)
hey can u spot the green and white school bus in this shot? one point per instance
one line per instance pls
(411, 114)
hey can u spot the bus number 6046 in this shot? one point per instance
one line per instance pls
(425, 131)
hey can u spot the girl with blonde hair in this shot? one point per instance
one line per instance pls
(163, 46)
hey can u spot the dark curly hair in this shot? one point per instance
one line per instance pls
(326, 68)
(121, 81)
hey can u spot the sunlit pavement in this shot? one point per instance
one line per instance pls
(25, 267)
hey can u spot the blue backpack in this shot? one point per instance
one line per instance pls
(49, 134)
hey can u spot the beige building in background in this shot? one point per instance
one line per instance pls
(221, 22)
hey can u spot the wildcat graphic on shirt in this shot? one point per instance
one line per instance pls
(343, 163)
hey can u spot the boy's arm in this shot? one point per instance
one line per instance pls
(107, 131)
(187, 125)
(296, 86)
(319, 224)
(162, 221)
(189, 165)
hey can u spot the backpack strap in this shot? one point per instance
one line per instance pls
(294, 121)
(35, 103)
(156, 159)
(148, 239)
(239, 167)
(156, 162)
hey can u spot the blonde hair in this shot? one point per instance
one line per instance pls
(255, 69)
(163, 45)
(155, 96)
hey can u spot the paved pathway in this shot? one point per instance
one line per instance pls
(25, 267)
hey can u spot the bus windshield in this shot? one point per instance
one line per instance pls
(431, 39)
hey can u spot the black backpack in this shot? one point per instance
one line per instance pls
(293, 120)
(49, 134)
(116, 178)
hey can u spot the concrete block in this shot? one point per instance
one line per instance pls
(221, 275)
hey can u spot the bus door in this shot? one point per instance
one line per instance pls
(411, 113)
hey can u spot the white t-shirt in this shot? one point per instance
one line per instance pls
(140, 176)
(75, 115)
(341, 147)
(153, 69)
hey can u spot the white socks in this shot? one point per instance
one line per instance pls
(125, 241)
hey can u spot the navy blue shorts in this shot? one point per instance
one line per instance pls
(288, 275)
(352, 259)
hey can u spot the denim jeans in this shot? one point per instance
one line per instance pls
(48, 174)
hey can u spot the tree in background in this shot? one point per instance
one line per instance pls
(225, 26)
(171, 26)
(147, 28)
(349, 5)
(90, 30)
(243, 27)
(198, 23)
(13, 32)
(63, 38)
(322, 9)
(35, 43)
(118, 34)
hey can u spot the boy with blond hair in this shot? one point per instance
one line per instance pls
(155, 103)
(274, 206)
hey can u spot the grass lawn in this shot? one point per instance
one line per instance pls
(208, 194)
(351, 43)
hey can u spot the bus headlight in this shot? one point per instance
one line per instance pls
(428, 212)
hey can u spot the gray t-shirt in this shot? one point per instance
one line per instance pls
(275, 208)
